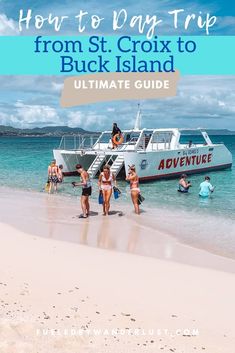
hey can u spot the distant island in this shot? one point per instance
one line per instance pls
(58, 131)
(55, 131)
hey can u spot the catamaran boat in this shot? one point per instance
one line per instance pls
(156, 153)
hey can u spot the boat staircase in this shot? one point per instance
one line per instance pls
(146, 141)
(96, 165)
(100, 159)
(117, 164)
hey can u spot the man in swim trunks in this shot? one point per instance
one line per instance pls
(206, 188)
(115, 131)
(86, 190)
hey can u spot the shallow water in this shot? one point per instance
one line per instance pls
(24, 161)
(208, 224)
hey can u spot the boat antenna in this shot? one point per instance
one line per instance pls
(138, 119)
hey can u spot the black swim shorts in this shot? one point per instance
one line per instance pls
(86, 191)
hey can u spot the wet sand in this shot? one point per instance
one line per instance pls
(60, 274)
(152, 234)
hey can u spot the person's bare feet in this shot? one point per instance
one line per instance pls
(82, 216)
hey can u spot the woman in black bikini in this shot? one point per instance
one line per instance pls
(184, 185)
(53, 176)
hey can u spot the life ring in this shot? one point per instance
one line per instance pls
(118, 139)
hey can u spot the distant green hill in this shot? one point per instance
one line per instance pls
(65, 130)
(10, 129)
(44, 131)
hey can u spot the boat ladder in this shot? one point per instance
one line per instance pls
(96, 165)
(117, 164)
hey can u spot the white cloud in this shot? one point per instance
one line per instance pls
(8, 119)
(86, 120)
(207, 101)
(8, 27)
(28, 115)
(226, 24)
(57, 87)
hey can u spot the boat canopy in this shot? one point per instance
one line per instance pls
(134, 140)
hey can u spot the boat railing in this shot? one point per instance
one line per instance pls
(139, 143)
(77, 142)
(156, 146)
(147, 143)
(88, 141)
(131, 142)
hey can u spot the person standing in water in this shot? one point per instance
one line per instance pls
(206, 188)
(60, 173)
(115, 131)
(53, 177)
(86, 190)
(133, 178)
(184, 185)
(106, 182)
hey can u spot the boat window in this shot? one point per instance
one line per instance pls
(191, 140)
(105, 137)
(162, 137)
(131, 137)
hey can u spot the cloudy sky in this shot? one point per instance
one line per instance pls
(223, 9)
(201, 101)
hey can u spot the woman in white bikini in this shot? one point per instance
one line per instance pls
(133, 178)
(106, 182)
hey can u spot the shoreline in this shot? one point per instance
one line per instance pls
(56, 217)
(66, 284)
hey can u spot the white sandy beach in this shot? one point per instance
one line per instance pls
(177, 298)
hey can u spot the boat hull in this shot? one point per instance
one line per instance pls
(162, 164)
(69, 159)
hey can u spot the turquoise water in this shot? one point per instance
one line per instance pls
(24, 161)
